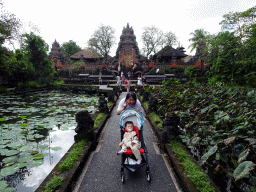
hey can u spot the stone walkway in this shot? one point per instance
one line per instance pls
(102, 171)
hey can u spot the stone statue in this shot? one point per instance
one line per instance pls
(84, 127)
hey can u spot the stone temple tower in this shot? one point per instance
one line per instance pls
(127, 54)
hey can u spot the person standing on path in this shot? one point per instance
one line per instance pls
(118, 82)
(129, 101)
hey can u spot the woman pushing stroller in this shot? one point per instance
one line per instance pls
(129, 101)
(130, 140)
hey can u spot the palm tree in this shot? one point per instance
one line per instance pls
(199, 37)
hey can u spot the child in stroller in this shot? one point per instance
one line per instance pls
(130, 159)
(130, 140)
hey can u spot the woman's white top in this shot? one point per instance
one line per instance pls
(139, 81)
(137, 105)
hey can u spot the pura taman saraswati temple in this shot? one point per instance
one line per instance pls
(127, 58)
(127, 54)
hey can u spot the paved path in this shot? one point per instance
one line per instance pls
(102, 171)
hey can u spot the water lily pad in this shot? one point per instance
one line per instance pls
(34, 152)
(37, 136)
(6, 171)
(7, 152)
(21, 165)
(2, 146)
(3, 185)
(10, 159)
(34, 163)
(56, 148)
(9, 189)
(44, 147)
(2, 119)
(15, 144)
(38, 156)
(25, 158)
(26, 148)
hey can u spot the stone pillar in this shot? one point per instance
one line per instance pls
(152, 106)
(111, 96)
(170, 127)
(84, 127)
(145, 96)
(103, 105)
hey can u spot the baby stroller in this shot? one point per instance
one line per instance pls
(128, 159)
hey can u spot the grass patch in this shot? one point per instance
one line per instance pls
(110, 103)
(73, 156)
(146, 103)
(53, 184)
(157, 120)
(198, 177)
(98, 120)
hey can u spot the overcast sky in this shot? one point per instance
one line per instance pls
(77, 20)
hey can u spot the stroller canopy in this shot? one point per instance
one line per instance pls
(131, 115)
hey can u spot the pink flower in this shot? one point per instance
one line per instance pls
(234, 103)
(196, 91)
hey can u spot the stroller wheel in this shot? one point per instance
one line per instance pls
(122, 177)
(148, 176)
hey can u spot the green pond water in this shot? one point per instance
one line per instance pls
(36, 130)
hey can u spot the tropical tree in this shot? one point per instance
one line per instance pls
(198, 39)
(21, 70)
(70, 48)
(152, 39)
(102, 40)
(9, 30)
(36, 49)
(170, 39)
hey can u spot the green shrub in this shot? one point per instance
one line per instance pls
(198, 177)
(98, 120)
(3, 89)
(157, 120)
(53, 184)
(33, 84)
(73, 156)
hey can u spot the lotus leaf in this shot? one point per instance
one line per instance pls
(34, 163)
(243, 155)
(243, 170)
(38, 156)
(10, 159)
(26, 148)
(6, 171)
(37, 136)
(3, 185)
(23, 116)
(24, 132)
(25, 158)
(56, 148)
(21, 165)
(34, 152)
(15, 144)
(43, 147)
(24, 124)
(7, 152)
(2, 119)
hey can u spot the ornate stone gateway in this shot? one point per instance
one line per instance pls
(127, 54)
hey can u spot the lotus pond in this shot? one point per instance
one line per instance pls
(36, 131)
